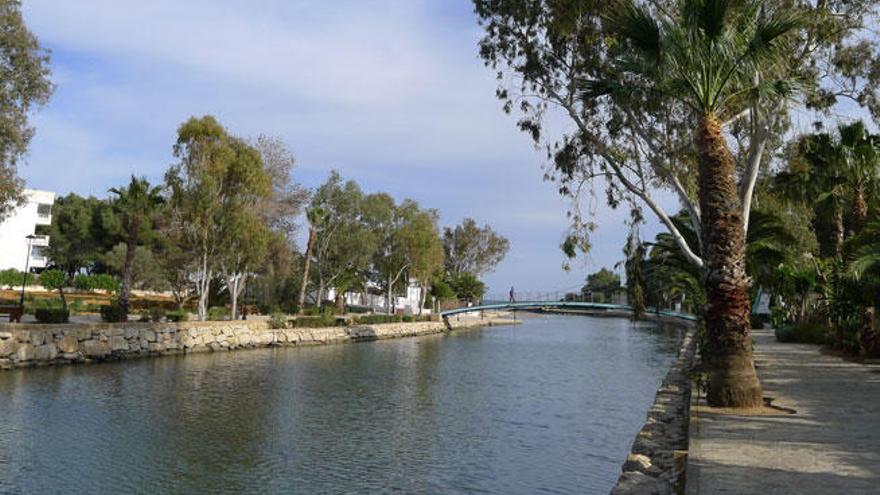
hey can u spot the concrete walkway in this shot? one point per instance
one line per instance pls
(831, 445)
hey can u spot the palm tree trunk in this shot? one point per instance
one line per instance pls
(728, 350)
(867, 336)
(301, 302)
(130, 249)
(837, 232)
(859, 210)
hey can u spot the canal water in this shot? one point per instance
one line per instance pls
(550, 406)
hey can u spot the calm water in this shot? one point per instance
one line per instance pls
(550, 406)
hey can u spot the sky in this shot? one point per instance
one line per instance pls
(390, 93)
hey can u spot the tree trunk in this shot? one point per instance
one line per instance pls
(301, 302)
(423, 295)
(837, 231)
(859, 210)
(235, 284)
(388, 295)
(130, 249)
(732, 378)
(340, 302)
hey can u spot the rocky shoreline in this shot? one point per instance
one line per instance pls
(656, 463)
(27, 345)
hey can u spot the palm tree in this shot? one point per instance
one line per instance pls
(860, 153)
(814, 177)
(864, 269)
(136, 203)
(713, 59)
(316, 217)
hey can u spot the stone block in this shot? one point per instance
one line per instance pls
(68, 343)
(8, 347)
(148, 335)
(637, 462)
(118, 343)
(22, 335)
(25, 352)
(156, 347)
(131, 333)
(5, 335)
(95, 349)
(38, 337)
(114, 331)
(46, 352)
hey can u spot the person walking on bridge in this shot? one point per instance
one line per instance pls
(512, 295)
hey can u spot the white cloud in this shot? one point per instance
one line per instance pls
(389, 92)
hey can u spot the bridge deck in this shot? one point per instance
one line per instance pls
(562, 305)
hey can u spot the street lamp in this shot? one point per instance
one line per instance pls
(30, 242)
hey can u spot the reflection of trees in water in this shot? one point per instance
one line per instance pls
(218, 414)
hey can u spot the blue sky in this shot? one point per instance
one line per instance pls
(390, 93)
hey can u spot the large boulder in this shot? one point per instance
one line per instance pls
(25, 352)
(46, 352)
(95, 349)
(8, 347)
(68, 344)
(118, 343)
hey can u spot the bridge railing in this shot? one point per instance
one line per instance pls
(604, 307)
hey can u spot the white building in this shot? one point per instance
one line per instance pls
(21, 223)
(374, 298)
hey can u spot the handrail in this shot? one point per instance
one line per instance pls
(564, 304)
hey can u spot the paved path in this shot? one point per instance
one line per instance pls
(832, 444)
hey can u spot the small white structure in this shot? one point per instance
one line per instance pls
(21, 223)
(374, 298)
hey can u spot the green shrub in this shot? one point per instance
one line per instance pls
(177, 315)
(52, 315)
(83, 282)
(316, 311)
(316, 322)
(218, 313)
(378, 319)
(12, 277)
(112, 313)
(758, 321)
(105, 281)
(53, 279)
(804, 333)
(278, 321)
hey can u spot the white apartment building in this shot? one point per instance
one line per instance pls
(21, 223)
(374, 298)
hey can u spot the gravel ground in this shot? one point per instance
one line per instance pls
(830, 445)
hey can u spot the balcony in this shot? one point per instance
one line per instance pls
(44, 214)
(40, 241)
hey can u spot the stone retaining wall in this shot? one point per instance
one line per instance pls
(657, 460)
(24, 345)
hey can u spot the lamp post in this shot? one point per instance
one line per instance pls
(30, 242)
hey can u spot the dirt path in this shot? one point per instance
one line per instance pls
(831, 445)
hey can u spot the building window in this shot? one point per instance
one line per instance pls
(38, 252)
(44, 210)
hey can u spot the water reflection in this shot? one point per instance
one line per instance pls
(549, 406)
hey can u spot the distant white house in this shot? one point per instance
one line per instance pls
(21, 223)
(374, 298)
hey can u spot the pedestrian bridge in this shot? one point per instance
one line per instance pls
(588, 307)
